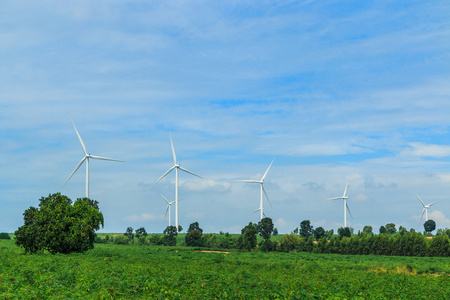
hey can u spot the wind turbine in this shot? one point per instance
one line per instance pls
(425, 209)
(176, 167)
(168, 207)
(261, 182)
(86, 158)
(344, 197)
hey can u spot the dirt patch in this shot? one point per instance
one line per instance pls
(207, 251)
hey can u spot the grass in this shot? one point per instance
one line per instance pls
(154, 272)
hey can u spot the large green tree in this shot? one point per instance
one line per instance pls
(58, 226)
(306, 229)
(170, 236)
(265, 228)
(194, 235)
(247, 240)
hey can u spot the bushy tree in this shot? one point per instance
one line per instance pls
(390, 228)
(58, 226)
(429, 226)
(344, 232)
(247, 240)
(319, 232)
(275, 232)
(194, 236)
(306, 229)
(169, 238)
(265, 228)
(382, 230)
(367, 230)
(141, 232)
(129, 233)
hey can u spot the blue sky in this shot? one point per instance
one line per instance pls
(331, 89)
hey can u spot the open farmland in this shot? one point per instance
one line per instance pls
(133, 271)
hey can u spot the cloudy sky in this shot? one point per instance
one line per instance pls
(357, 89)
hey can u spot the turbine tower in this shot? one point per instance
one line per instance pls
(168, 207)
(86, 158)
(263, 190)
(344, 197)
(176, 167)
(425, 209)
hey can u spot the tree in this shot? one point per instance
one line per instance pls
(58, 226)
(141, 232)
(367, 230)
(429, 226)
(194, 226)
(306, 229)
(390, 228)
(344, 232)
(180, 228)
(129, 234)
(382, 229)
(169, 238)
(194, 236)
(247, 240)
(275, 231)
(319, 232)
(265, 228)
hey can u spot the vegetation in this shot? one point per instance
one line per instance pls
(58, 226)
(113, 271)
(4, 236)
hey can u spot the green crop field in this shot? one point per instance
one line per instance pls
(156, 272)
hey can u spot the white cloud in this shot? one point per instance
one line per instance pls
(441, 220)
(426, 150)
(143, 217)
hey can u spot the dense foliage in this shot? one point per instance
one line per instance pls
(154, 272)
(58, 226)
(4, 236)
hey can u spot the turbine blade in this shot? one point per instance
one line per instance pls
(187, 171)
(76, 169)
(104, 158)
(420, 200)
(264, 190)
(348, 209)
(267, 171)
(167, 210)
(335, 198)
(346, 186)
(164, 175)
(251, 181)
(432, 203)
(173, 150)
(165, 199)
(256, 211)
(423, 212)
(79, 138)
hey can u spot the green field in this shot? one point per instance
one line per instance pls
(155, 272)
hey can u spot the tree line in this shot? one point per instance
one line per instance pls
(59, 226)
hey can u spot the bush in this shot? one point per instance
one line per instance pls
(121, 240)
(4, 236)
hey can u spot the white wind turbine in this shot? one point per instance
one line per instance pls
(261, 182)
(86, 158)
(425, 209)
(344, 197)
(168, 207)
(176, 167)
